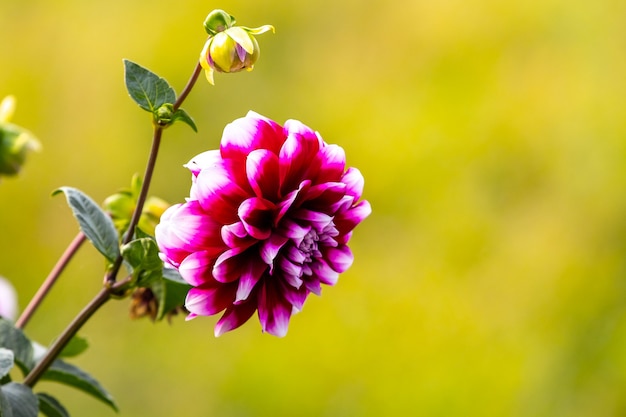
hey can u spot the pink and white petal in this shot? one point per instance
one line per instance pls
(329, 165)
(229, 265)
(270, 247)
(252, 274)
(325, 197)
(274, 310)
(235, 235)
(297, 154)
(291, 200)
(219, 195)
(262, 173)
(354, 181)
(208, 159)
(294, 230)
(234, 317)
(196, 269)
(210, 300)
(295, 297)
(339, 258)
(324, 272)
(313, 285)
(256, 214)
(290, 271)
(347, 220)
(248, 133)
(318, 220)
(187, 226)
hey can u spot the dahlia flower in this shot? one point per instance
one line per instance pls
(267, 223)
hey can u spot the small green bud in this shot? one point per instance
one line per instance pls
(15, 141)
(218, 21)
(164, 115)
(120, 207)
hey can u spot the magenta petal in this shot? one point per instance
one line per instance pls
(295, 297)
(297, 154)
(218, 194)
(234, 235)
(187, 227)
(197, 268)
(354, 182)
(206, 301)
(256, 216)
(234, 317)
(246, 134)
(229, 265)
(274, 311)
(330, 166)
(262, 172)
(348, 220)
(270, 247)
(339, 258)
(206, 159)
(249, 278)
(324, 272)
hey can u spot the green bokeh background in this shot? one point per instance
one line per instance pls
(489, 280)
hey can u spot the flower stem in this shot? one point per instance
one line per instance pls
(69, 332)
(188, 87)
(147, 178)
(50, 280)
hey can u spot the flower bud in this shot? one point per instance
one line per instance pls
(229, 48)
(15, 141)
(121, 205)
(218, 21)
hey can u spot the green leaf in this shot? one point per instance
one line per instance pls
(50, 406)
(71, 375)
(143, 257)
(20, 401)
(14, 339)
(7, 359)
(75, 347)
(146, 88)
(183, 116)
(170, 292)
(93, 221)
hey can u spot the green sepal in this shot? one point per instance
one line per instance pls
(14, 339)
(183, 116)
(170, 292)
(71, 375)
(18, 400)
(142, 256)
(146, 88)
(93, 221)
(50, 406)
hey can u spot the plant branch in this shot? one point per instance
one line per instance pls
(69, 332)
(50, 280)
(188, 87)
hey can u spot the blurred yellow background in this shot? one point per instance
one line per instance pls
(490, 278)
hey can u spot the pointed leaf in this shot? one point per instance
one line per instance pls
(14, 339)
(71, 375)
(75, 347)
(146, 88)
(183, 116)
(6, 361)
(93, 221)
(50, 406)
(142, 255)
(21, 400)
(170, 293)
